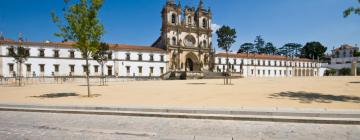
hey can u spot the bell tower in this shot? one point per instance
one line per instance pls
(187, 36)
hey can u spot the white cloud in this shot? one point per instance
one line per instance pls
(215, 27)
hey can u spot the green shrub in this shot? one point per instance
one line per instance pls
(345, 72)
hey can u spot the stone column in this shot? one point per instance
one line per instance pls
(354, 67)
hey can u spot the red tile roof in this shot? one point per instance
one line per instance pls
(260, 56)
(71, 44)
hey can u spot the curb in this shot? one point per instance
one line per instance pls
(290, 117)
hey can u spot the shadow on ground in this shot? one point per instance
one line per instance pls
(309, 97)
(56, 95)
(355, 82)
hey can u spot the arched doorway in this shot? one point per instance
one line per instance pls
(192, 62)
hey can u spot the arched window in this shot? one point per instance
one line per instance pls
(204, 23)
(189, 20)
(204, 44)
(174, 41)
(173, 18)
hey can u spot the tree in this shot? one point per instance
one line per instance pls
(352, 10)
(270, 49)
(226, 37)
(313, 50)
(259, 44)
(246, 48)
(20, 55)
(101, 56)
(83, 27)
(290, 49)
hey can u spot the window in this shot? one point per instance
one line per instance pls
(56, 68)
(280, 72)
(275, 63)
(161, 70)
(162, 58)
(269, 63)
(274, 72)
(28, 67)
(269, 72)
(189, 20)
(173, 19)
(84, 68)
(72, 68)
(10, 50)
(127, 69)
(27, 52)
(258, 72)
(173, 41)
(140, 57)
(42, 67)
(151, 70)
(11, 67)
(263, 63)
(252, 62)
(205, 44)
(128, 56)
(219, 60)
(259, 62)
(110, 70)
(263, 72)
(140, 69)
(96, 68)
(72, 54)
(235, 61)
(151, 57)
(110, 55)
(204, 23)
(56, 53)
(41, 53)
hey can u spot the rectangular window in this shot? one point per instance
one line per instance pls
(10, 50)
(96, 68)
(41, 53)
(56, 68)
(252, 62)
(151, 70)
(264, 71)
(280, 72)
(56, 54)
(128, 57)
(275, 64)
(263, 63)
(140, 57)
(127, 69)
(252, 72)
(235, 61)
(269, 72)
(162, 58)
(258, 72)
(110, 70)
(84, 68)
(28, 67)
(110, 55)
(269, 63)
(11, 67)
(140, 69)
(72, 68)
(27, 52)
(161, 70)
(274, 72)
(219, 60)
(42, 67)
(151, 57)
(72, 54)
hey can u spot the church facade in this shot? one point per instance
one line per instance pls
(185, 45)
(187, 37)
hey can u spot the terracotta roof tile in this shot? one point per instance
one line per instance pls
(70, 45)
(259, 56)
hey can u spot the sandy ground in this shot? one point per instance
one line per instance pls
(305, 92)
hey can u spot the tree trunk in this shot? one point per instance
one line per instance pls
(19, 73)
(87, 75)
(102, 74)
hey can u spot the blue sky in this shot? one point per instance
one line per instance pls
(138, 22)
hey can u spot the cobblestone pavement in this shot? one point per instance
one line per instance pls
(25, 125)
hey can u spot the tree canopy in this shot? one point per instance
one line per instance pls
(290, 49)
(352, 10)
(226, 37)
(313, 50)
(246, 48)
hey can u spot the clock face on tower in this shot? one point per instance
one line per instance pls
(189, 41)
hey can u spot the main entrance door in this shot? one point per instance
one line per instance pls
(192, 63)
(189, 64)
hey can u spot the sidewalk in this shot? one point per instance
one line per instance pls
(333, 116)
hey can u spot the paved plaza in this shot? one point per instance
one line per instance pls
(25, 125)
(306, 92)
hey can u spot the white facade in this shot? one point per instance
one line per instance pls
(64, 65)
(268, 67)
